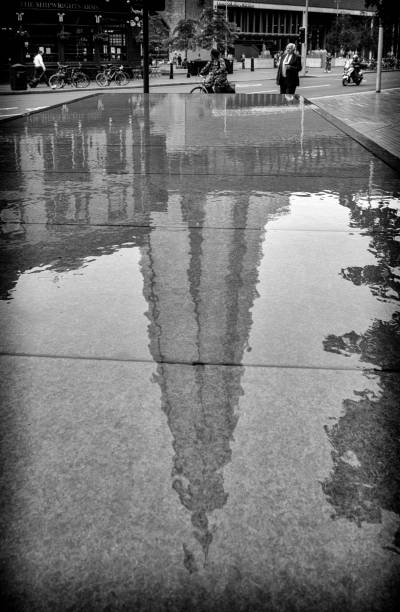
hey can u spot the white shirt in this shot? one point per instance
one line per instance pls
(285, 63)
(38, 61)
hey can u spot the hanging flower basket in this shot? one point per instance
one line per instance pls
(100, 37)
(64, 35)
(22, 34)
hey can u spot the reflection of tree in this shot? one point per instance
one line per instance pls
(366, 440)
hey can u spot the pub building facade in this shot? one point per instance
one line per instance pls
(90, 32)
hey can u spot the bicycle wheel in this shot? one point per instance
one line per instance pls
(102, 80)
(121, 78)
(80, 79)
(199, 89)
(56, 81)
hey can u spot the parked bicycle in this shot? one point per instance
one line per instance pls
(68, 75)
(111, 73)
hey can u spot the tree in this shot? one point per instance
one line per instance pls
(387, 10)
(215, 30)
(158, 35)
(347, 34)
(184, 36)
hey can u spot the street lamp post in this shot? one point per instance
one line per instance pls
(226, 25)
(304, 44)
(379, 58)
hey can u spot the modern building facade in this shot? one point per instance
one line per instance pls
(271, 24)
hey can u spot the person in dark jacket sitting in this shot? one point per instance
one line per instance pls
(289, 67)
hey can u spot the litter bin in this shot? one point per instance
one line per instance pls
(195, 66)
(229, 66)
(18, 79)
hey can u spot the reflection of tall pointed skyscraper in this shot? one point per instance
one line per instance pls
(200, 285)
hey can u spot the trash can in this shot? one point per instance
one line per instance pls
(18, 79)
(195, 66)
(229, 66)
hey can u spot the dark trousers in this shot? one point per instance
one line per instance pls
(41, 74)
(285, 88)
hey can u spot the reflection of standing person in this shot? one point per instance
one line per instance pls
(289, 66)
(40, 68)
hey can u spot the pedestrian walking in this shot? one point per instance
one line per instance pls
(328, 62)
(40, 69)
(289, 66)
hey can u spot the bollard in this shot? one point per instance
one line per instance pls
(252, 64)
(171, 70)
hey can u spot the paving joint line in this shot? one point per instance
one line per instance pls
(198, 363)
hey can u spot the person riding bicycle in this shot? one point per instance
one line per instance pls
(216, 73)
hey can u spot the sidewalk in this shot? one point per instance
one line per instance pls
(180, 78)
(368, 117)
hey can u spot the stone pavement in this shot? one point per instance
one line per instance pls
(200, 359)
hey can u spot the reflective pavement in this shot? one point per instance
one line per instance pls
(200, 358)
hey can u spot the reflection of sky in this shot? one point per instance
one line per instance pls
(313, 211)
(81, 311)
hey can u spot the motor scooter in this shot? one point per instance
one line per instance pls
(350, 75)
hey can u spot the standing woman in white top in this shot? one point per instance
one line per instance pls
(288, 70)
(40, 68)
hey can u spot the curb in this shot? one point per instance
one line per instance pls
(372, 147)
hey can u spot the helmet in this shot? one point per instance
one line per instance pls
(355, 57)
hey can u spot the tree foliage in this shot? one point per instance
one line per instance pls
(347, 34)
(215, 30)
(158, 34)
(387, 10)
(211, 30)
(184, 36)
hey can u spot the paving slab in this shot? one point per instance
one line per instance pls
(200, 359)
(145, 486)
(370, 118)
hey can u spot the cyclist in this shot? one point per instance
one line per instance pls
(216, 72)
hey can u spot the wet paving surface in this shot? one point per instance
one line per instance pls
(200, 357)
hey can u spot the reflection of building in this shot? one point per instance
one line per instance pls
(200, 288)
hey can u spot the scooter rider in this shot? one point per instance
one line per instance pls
(355, 67)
